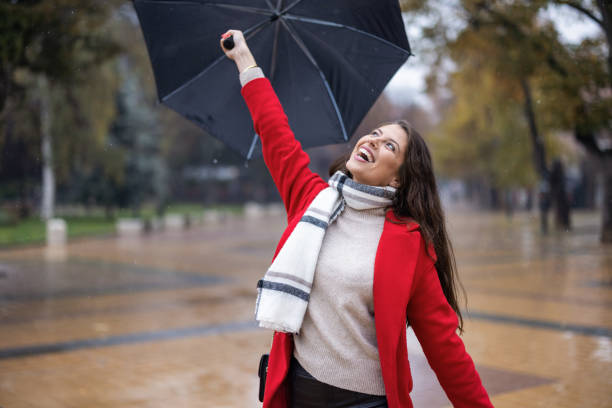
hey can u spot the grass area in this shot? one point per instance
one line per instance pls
(84, 226)
(26, 231)
(32, 230)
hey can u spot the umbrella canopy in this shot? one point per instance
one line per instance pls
(328, 61)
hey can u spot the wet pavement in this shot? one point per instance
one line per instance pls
(167, 319)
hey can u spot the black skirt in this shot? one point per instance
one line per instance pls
(308, 392)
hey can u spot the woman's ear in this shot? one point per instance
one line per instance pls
(395, 182)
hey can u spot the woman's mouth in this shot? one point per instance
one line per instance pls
(364, 155)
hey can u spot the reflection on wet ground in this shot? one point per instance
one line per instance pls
(166, 320)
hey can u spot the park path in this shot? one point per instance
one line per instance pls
(167, 319)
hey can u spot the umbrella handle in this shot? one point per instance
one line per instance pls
(228, 43)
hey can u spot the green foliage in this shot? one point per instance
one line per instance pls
(82, 116)
(499, 46)
(19, 149)
(136, 132)
(114, 160)
(482, 134)
(33, 230)
(67, 42)
(59, 38)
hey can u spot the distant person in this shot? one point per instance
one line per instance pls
(544, 204)
(363, 256)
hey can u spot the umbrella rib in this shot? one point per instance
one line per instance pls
(270, 4)
(337, 25)
(214, 63)
(304, 49)
(252, 148)
(226, 6)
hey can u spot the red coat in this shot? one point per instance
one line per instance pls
(406, 285)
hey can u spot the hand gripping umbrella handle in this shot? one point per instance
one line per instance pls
(228, 43)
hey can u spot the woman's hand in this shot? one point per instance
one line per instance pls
(240, 54)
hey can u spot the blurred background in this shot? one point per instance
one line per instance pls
(514, 99)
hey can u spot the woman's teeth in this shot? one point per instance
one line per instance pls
(366, 155)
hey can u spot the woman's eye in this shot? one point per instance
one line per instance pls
(391, 146)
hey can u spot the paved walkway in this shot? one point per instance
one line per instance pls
(166, 320)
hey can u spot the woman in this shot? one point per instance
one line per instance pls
(370, 243)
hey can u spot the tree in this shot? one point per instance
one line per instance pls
(598, 11)
(586, 97)
(135, 131)
(19, 157)
(483, 136)
(518, 44)
(521, 51)
(55, 43)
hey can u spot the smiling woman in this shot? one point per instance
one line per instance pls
(363, 255)
(377, 157)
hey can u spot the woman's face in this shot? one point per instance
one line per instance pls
(377, 157)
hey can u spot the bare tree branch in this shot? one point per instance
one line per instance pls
(583, 10)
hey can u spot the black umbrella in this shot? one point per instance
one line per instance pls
(328, 60)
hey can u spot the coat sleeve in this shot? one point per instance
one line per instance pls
(435, 324)
(283, 154)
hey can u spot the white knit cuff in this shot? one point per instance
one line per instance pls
(250, 74)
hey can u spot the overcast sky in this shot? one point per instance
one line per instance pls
(408, 84)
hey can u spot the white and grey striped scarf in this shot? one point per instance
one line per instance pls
(284, 291)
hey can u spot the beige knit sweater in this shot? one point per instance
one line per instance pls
(337, 341)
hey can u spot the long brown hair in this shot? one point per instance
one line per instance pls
(417, 199)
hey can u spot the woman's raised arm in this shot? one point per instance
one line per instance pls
(283, 154)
